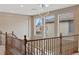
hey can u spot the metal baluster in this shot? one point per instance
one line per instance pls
(48, 46)
(28, 48)
(39, 47)
(60, 43)
(31, 47)
(34, 47)
(57, 46)
(6, 43)
(52, 46)
(44, 48)
(72, 45)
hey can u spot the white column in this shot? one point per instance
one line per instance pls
(44, 28)
(28, 28)
(56, 25)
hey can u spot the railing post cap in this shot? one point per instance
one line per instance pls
(5, 32)
(60, 34)
(24, 35)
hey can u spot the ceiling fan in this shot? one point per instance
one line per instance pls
(43, 7)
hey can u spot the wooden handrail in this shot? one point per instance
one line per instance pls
(60, 37)
(14, 36)
(52, 38)
(38, 48)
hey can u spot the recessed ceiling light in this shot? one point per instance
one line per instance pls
(21, 6)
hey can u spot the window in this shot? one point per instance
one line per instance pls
(71, 26)
(64, 27)
(49, 19)
(47, 27)
(49, 23)
(44, 27)
(38, 23)
(66, 23)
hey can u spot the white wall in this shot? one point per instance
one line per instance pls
(16, 23)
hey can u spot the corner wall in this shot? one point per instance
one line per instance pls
(18, 23)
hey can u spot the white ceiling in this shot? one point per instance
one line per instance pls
(30, 9)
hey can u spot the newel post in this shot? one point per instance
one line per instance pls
(12, 33)
(61, 43)
(6, 43)
(25, 42)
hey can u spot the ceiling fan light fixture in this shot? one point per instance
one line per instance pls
(44, 5)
